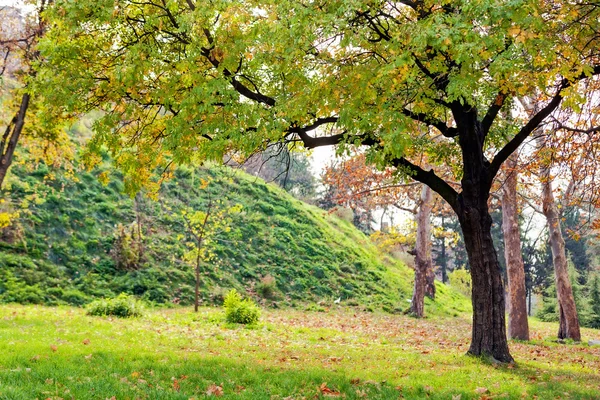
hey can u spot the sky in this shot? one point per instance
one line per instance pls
(14, 3)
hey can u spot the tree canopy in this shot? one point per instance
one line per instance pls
(181, 83)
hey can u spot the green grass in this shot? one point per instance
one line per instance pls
(61, 250)
(60, 353)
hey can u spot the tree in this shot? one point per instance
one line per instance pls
(568, 319)
(204, 228)
(424, 275)
(181, 83)
(19, 54)
(354, 184)
(518, 326)
(287, 168)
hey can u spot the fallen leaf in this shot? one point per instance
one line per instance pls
(54, 348)
(86, 341)
(481, 390)
(328, 392)
(214, 390)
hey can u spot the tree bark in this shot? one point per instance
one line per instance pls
(489, 328)
(568, 319)
(11, 137)
(423, 262)
(488, 337)
(518, 326)
(197, 271)
(444, 261)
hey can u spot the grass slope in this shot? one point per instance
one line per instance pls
(60, 353)
(62, 251)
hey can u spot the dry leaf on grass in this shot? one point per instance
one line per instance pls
(214, 390)
(326, 391)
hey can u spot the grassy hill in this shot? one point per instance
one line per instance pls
(74, 232)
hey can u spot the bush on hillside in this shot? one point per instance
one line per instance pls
(267, 288)
(240, 311)
(460, 279)
(122, 306)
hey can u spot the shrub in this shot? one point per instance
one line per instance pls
(267, 287)
(75, 297)
(240, 311)
(122, 306)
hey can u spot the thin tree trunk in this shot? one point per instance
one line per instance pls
(518, 326)
(568, 319)
(423, 262)
(197, 287)
(444, 261)
(11, 137)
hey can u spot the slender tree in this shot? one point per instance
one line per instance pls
(568, 319)
(518, 326)
(423, 262)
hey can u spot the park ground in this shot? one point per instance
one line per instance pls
(61, 353)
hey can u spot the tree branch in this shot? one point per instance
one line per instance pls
(570, 129)
(492, 112)
(534, 122)
(446, 130)
(430, 179)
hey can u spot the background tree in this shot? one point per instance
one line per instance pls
(289, 169)
(181, 83)
(18, 40)
(355, 184)
(518, 326)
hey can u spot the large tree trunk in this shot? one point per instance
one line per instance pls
(423, 262)
(489, 329)
(568, 319)
(489, 324)
(11, 137)
(518, 326)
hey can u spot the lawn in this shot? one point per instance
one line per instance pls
(60, 353)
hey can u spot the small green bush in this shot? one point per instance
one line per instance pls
(240, 311)
(122, 306)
